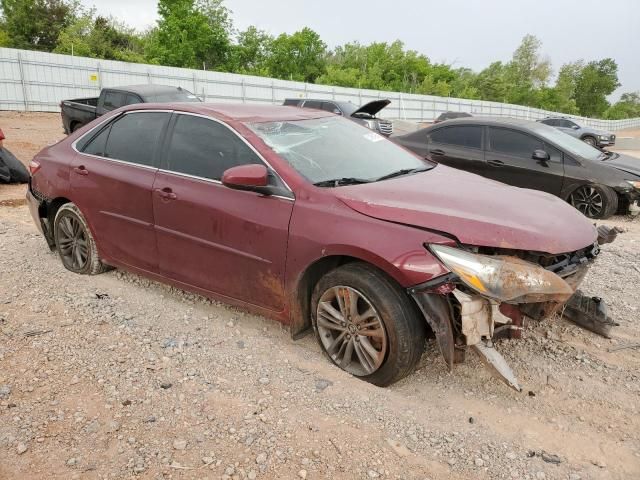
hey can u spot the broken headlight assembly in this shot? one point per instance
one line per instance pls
(503, 278)
(634, 183)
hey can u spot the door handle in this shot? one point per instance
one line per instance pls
(495, 163)
(437, 152)
(166, 193)
(80, 170)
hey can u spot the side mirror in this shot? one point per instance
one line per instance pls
(575, 127)
(540, 156)
(247, 177)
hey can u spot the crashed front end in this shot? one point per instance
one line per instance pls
(490, 293)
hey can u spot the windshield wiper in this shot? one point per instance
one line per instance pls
(336, 182)
(404, 171)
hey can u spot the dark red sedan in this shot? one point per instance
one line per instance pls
(314, 220)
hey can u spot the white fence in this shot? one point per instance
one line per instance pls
(36, 81)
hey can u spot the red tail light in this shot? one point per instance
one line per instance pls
(34, 166)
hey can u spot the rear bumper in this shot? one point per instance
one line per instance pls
(34, 209)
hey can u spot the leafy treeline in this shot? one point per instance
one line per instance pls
(200, 34)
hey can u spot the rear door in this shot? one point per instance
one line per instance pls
(458, 146)
(230, 242)
(508, 156)
(111, 180)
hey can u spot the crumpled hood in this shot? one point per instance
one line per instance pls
(475, 210)
(625, 163)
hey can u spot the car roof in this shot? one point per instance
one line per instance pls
(243, 112)
(146, 89)
(492, 121)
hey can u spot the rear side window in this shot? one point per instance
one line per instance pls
(97, 144)
(134, 137)
(113, 100)
(292, 102)
(205, 148)
(463, 136)
(552, 122)
(513, 143)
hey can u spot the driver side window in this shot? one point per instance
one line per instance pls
(205, 148)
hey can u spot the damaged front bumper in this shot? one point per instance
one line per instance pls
(464, 317)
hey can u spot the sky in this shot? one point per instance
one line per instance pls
(464, 33)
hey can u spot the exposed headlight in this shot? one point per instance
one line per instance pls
(634, 183)
(507, 279)
(603, 137)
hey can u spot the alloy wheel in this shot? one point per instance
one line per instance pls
(590, 141)
(351, 330)
(72, 242)
(588, 201)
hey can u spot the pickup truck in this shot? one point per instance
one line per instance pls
(78, 112)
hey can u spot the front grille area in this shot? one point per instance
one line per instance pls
(385, 127)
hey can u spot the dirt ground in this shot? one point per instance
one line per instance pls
(115, 376)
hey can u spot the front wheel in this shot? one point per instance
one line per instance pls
(590, 140)
(595, 201)
(366, 324)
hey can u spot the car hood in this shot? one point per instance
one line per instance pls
(625, 163)
(372, 108)
(475, 210)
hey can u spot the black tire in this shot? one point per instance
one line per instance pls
(595, 201)
(74, 126)
(402, 324)
(590, 140)
(74, 242)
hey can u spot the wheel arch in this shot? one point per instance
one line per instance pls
(300, 299)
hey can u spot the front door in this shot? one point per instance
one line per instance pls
(509, 160)
(458, 146)
(111, 180)
(230, 242)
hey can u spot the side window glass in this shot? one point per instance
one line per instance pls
(96, 145)
(555, 155)
(331, 107)
(113, 100)
(131, 99)
(313, 104)
(135, 136)
(205, 148)
(463, 136)
(551, 122)
(513, 143)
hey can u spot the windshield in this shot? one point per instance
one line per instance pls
(571, 144)
(329, 148)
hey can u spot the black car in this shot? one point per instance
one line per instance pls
(364, 115)
(533, 155)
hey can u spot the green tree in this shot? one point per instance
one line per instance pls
(300, 56)
(100, 37)
(595, 81)
(627, 107)
(492, 84)
(251, 52)
(191, 34)
(36, 24)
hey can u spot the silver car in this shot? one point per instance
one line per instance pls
(592, 136)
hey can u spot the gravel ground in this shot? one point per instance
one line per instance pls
(115, 376)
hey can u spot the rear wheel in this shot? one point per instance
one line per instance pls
(590, 140)
(366, 324)
(595, 201)
(74, 242)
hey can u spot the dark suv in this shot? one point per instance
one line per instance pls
(533, 155)
(364, 115)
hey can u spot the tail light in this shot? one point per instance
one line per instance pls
(34, 166)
